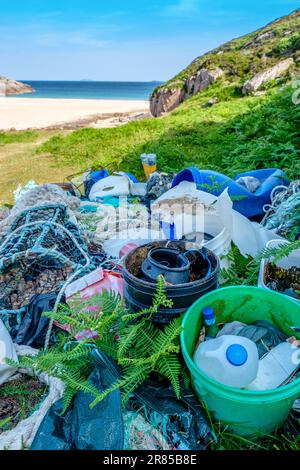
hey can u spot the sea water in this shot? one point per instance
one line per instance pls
(90, 90)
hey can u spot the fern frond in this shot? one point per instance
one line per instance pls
(170, 368)
(128, 337)
(166, 337)
(68, 398)
(160, 298)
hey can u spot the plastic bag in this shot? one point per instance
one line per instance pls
(33, 328)
(182, 423)
(82, 428)
(262, 333)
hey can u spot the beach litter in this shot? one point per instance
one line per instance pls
(284, 275)
(107, 234)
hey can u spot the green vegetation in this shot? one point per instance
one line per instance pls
(249, 54)
(15, 137)
(141, 349)
(238, 133)
(19, 399)
(235, 135)
(138, 346)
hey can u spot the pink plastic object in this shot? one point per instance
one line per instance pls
(88, 286)
(127, 249)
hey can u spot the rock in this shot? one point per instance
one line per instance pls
(274, 72)
(204, 78)
(165, 100)
(259, 93)
(210, 103)
(263, 36)
(12, 87)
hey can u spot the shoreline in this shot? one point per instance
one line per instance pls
(67, 113)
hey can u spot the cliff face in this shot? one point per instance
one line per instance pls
(12, 87)
(250, 63)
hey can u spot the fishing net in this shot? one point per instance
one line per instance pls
(43, 252)
(283, 214)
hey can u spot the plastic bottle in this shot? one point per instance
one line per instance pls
(211, 327)
(276, 367)
(230, 360)
(149, 163)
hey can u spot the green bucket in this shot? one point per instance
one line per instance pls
(246, 413)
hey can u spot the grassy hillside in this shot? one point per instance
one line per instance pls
(243, 57)
(234, 135)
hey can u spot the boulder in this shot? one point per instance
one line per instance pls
(274, 72)
(12, 87)
(196, 83)
(210, 103)
(165, 100)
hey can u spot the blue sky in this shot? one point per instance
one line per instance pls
(121, 39)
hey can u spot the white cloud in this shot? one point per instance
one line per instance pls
(183, 7)
(71, 38)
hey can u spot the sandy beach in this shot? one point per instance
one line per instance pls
(39, 113)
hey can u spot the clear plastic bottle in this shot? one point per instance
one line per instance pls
(230, 360)
(276, 367)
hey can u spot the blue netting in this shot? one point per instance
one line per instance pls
(40, 253)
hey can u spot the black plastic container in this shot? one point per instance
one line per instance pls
(139, 292)
(168, 262)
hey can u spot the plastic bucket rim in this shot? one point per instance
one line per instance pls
(233, 390)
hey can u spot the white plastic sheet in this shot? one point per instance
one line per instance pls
(7, 351)
(250, 237)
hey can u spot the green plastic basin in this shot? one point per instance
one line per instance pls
(246, 413)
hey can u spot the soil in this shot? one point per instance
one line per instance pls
(283, 280)
(136, 258)
(18, 400)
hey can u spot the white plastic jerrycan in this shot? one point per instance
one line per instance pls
(231, 360)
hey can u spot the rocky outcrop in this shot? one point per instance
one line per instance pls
(166, 99)
(263, 55)
(12, 87)
(202, 80)
(274, 72)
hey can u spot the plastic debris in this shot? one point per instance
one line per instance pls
(7, 351)
(181, 424)
(283, 213)
(83, 428)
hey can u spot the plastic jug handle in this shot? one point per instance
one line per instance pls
(209, 354)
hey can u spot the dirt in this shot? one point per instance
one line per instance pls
(283, 280)
(18, 400)
(138, 256)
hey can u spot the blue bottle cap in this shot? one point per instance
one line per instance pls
(237, 355)
(208, 313)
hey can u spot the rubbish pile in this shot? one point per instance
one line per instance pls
(63, 244)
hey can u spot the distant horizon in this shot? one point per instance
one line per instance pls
(130, 42)
(90, 89)
(85, 80)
